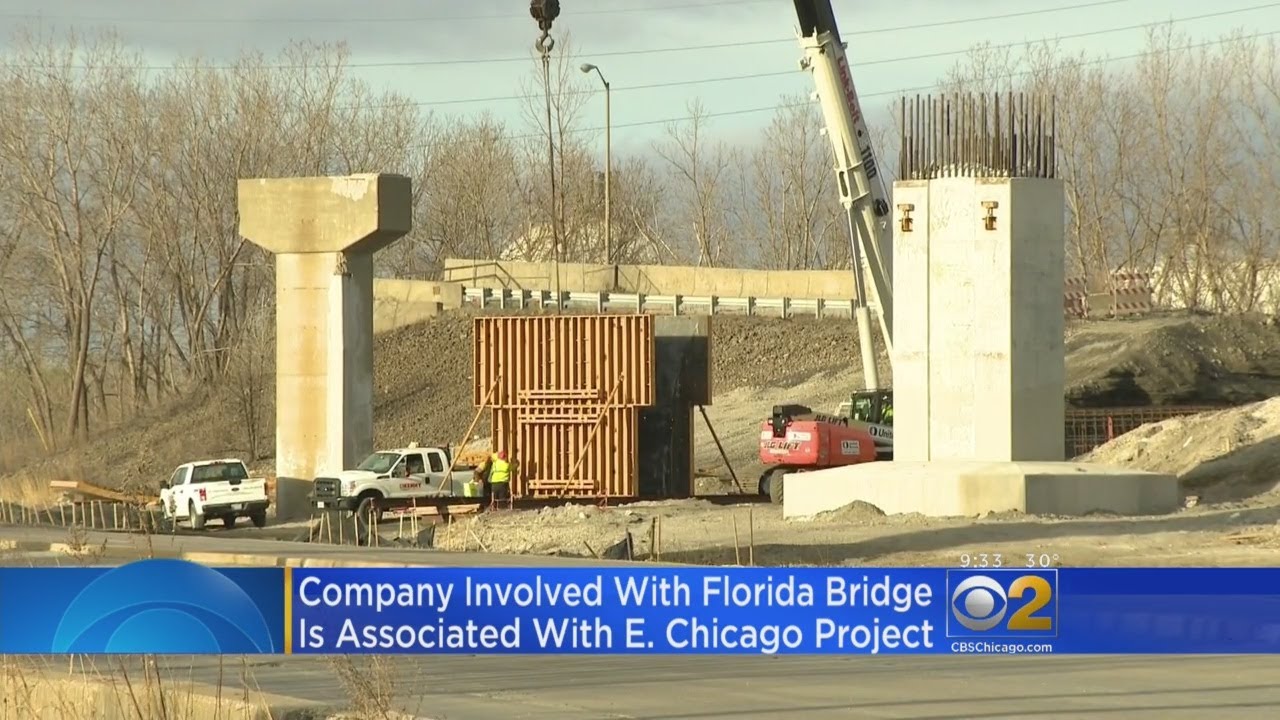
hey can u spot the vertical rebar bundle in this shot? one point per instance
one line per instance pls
(969, 135)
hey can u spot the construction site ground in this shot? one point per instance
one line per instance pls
(422, 376)
(696, 531)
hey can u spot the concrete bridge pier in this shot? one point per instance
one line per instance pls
(323, 232)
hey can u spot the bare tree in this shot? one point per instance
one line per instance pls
(475, 209)
(69, 141)
(251, 375)
(119, 219)
(699, 167)
(640, 211)
(578, 201)
(787, 200)
(1165, 160)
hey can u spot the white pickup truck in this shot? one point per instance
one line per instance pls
(391, 478)
(214, 488)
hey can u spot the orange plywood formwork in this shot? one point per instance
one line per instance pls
(566, 393)
(590, 455)
(538, 361)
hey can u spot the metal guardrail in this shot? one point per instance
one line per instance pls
(664, 304)
(1074, 307)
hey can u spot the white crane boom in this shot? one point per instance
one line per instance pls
(862, 190)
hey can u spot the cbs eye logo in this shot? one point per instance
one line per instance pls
(1002, 603)
(163, 606)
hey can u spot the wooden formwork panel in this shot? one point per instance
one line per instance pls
(538, 361)
(578, 452)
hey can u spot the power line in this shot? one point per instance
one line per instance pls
(749, 43)
(684, 48)
(373, 20)
(865, 63)
(907, 90)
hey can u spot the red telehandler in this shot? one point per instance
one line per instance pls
(797, 439)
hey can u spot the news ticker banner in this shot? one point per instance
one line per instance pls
(177, 607)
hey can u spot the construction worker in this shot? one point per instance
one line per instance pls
(498, 474)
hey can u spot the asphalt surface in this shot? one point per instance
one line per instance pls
(691, 688)
(704, 688)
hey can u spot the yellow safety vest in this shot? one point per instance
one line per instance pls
(499, 471)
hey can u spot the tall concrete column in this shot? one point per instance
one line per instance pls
(979, 369)
(323, 232)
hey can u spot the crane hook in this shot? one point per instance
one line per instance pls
(545, 12)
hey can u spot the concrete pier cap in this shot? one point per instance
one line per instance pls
(351, 213)
(323, 232)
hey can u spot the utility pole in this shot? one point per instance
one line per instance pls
(608, 165)
(545, 12)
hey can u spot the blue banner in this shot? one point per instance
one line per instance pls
(170, 606)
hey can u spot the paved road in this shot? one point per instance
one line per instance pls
(684, 688)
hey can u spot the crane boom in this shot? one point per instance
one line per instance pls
(862, 189)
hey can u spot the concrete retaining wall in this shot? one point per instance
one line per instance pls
(651, 279)
(397, 303)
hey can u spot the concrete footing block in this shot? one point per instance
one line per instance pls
(964, 489)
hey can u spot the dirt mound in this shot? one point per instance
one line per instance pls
(422, 390)
(422, 393)
(856, 511)
(422, 378)
(1174, 359)
(772, 352)
(1222, 455)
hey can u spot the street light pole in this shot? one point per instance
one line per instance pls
(608, 165)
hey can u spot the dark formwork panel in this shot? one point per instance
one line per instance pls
(682, 380)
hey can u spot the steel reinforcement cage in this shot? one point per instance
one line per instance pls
(565, 394)
(1089, 428)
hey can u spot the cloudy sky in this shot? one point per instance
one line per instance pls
(460, 56)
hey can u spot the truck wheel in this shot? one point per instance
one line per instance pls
(775, 486)
(367, 516)
(229, 522)
(197, 520)
(258, 518)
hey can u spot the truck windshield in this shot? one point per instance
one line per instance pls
(379, 462)
(218, 472)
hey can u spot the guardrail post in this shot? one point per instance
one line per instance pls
(715, 304)
(786, 307)
(675, 304)
(818, 308)
(600, 302)
(639, 303)
(751, 306)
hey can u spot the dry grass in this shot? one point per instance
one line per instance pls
(80, 687)
(27, 490)
(120, 689)
(370, 684)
